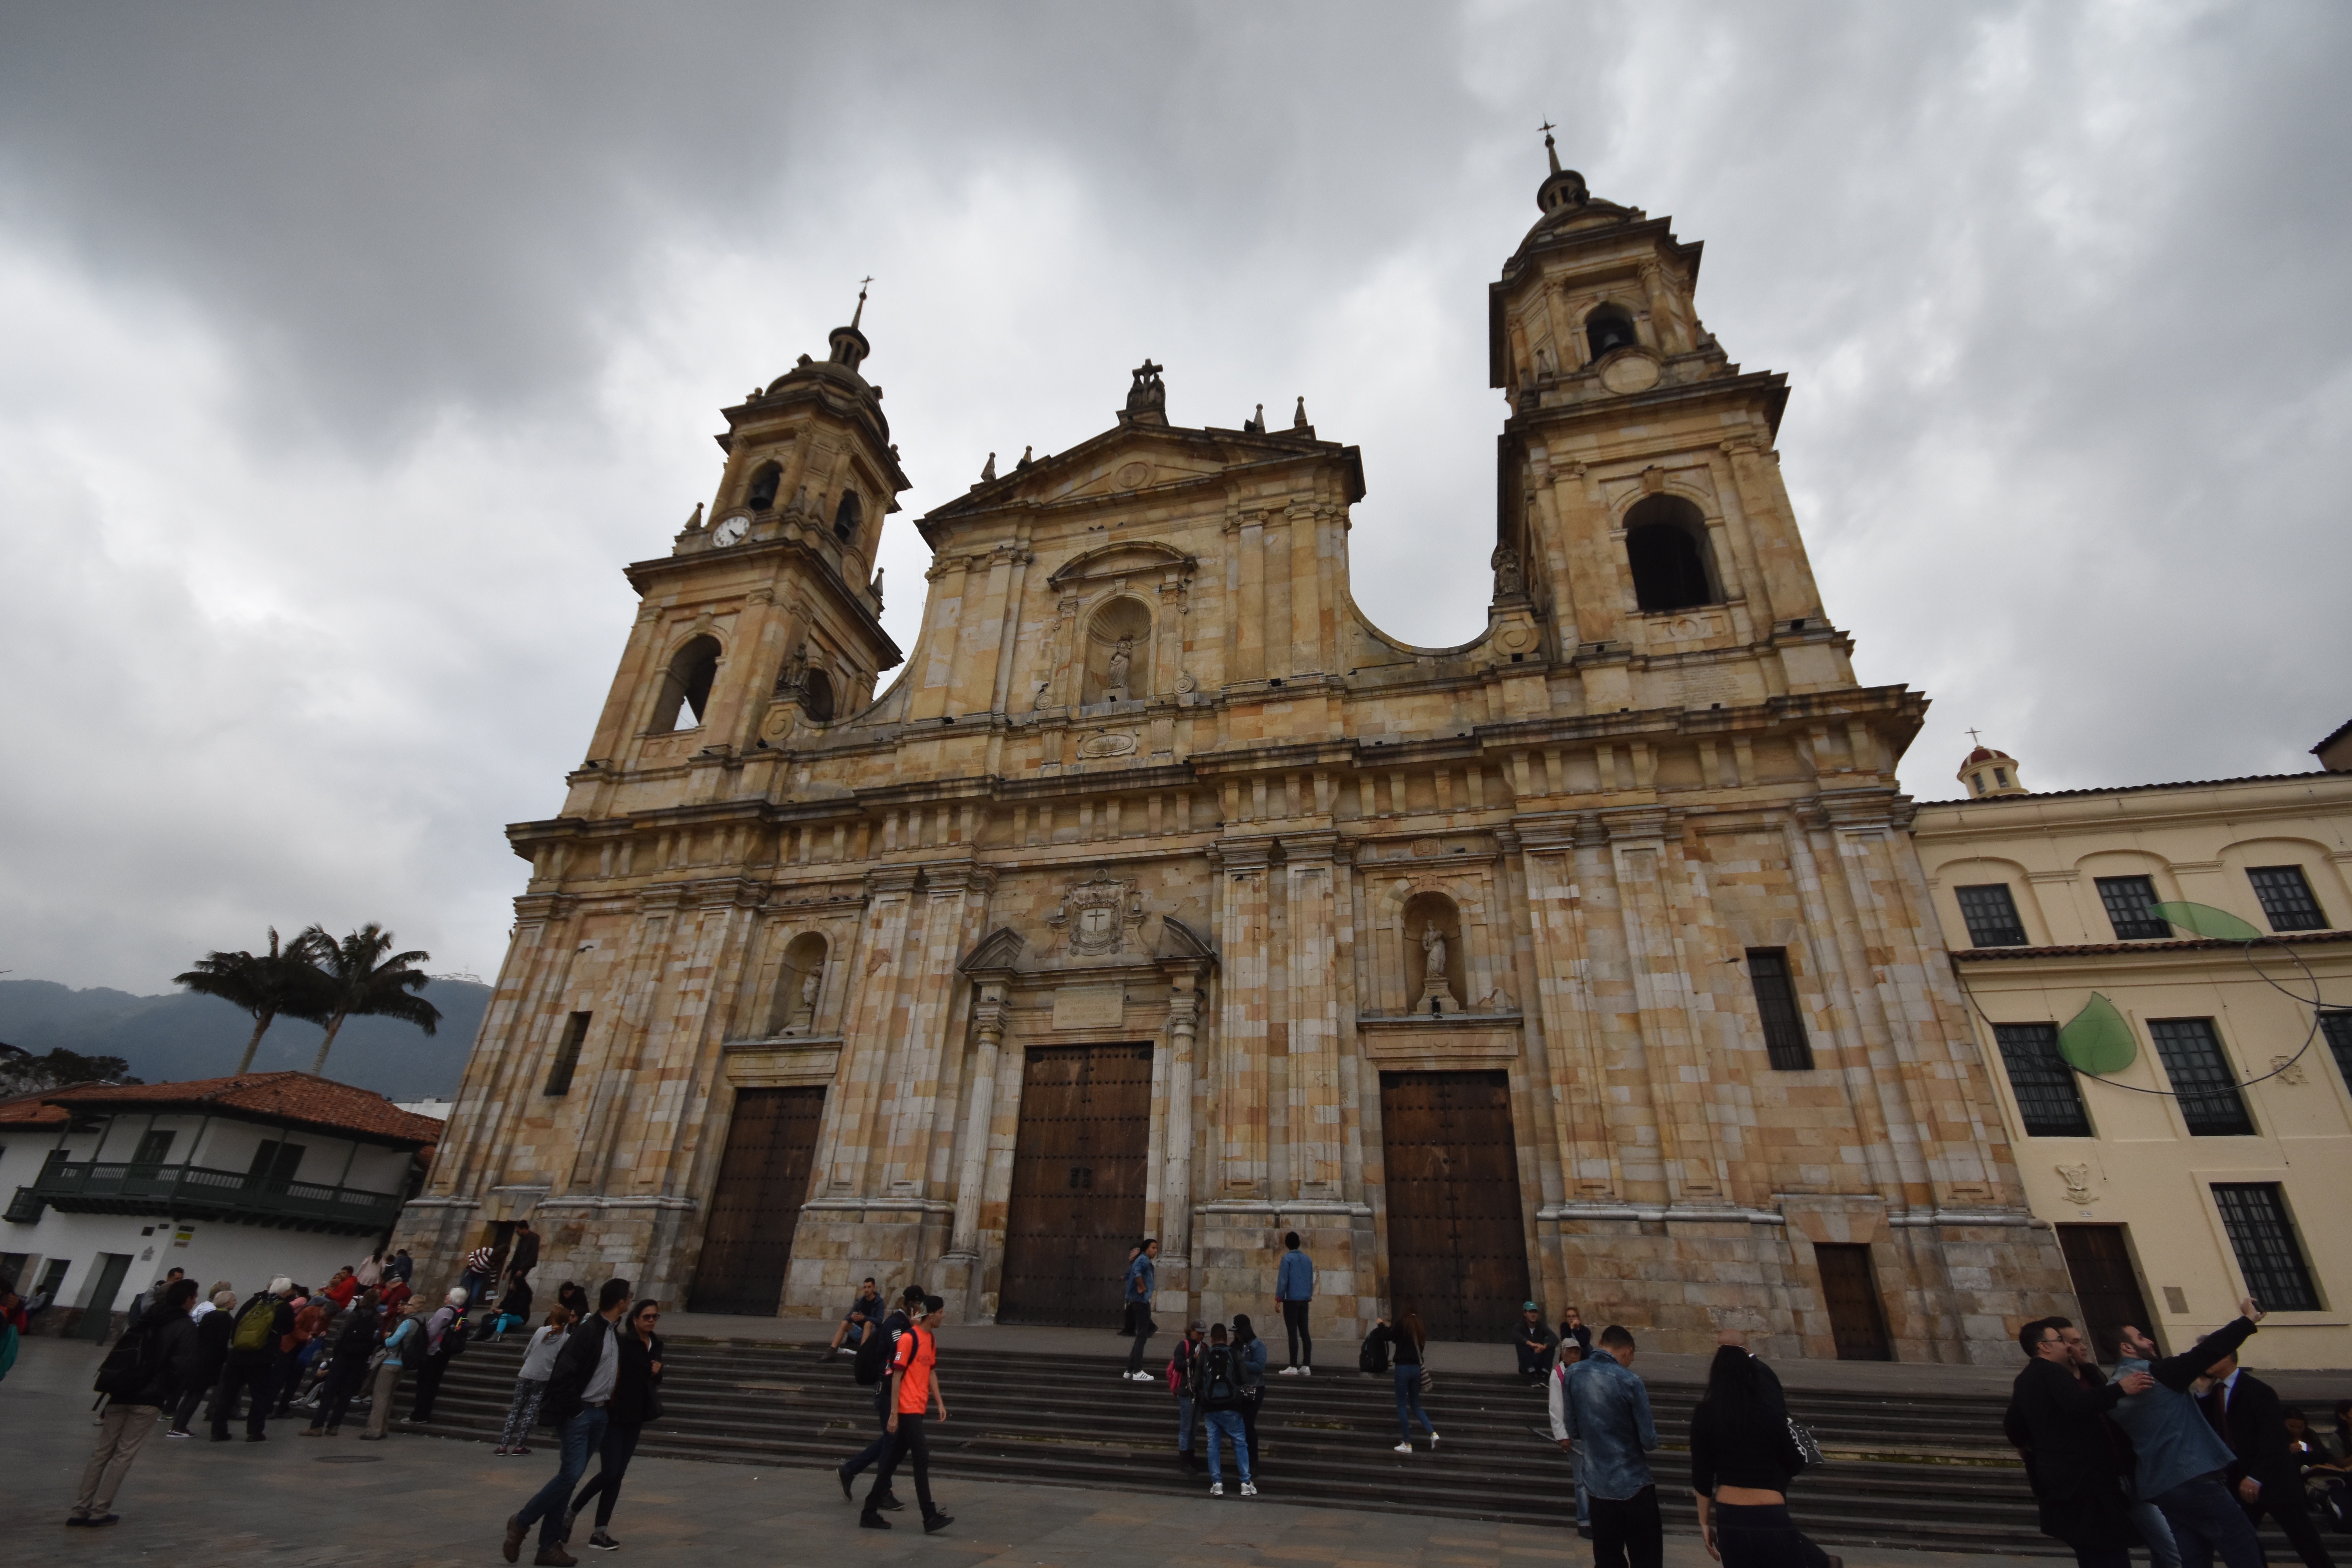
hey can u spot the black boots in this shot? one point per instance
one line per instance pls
(935, 1521)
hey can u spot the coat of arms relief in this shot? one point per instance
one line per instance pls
(1096, 915)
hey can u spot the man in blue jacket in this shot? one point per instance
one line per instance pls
(2182, 1461)
(1142, 1279)
(1606, 1414)
(1294, 1291)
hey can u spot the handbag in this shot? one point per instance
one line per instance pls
(1427, 1382)
(1808, 1445)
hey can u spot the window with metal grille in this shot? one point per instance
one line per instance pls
(2200, 1075)
(1991, 915)
(2047, 1098)
(2336, 1028)
(1776, 1002)
(567, 1055)
(2286, 897)
(2131, 905)
(2269, 1256)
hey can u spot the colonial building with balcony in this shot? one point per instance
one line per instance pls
(229, 1178)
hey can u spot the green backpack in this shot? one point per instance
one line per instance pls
(257, 1325)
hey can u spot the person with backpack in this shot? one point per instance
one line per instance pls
(1142, 1279)
(401, 1344)
(1180, 1369)
(156, 1357)
(637, 1399)
(531, 1382)
(1294, 1291)
(262, 1324)
(871, 1369)
(347, 1366)
(1217, 1386)
(578, 1407)
(215, 1320)
(444, 1341)
(914, 1389)
(1252, 1350)
(1401, 1346)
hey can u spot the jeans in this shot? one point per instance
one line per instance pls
(1144, 1329)
(1408, 1393)
(1294, 1326)
(2148, 1520)
(1763, 1536)
(1183, 1423)
(2285, 1505)
(910, 1440)
(1628, 1528)
(1251, 1398)
(1533, 1363)
(522, 1415)
(613, 1456)
(120, 1433)
(2206, 1520)
(1225, 1423)
(236, 1377)
(583, 1435)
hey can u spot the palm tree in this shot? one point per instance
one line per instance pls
(365, 979)
(264, 986)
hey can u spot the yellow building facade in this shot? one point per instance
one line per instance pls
(1161, 893)
(2215, 1165)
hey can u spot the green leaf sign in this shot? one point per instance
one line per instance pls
(2097, 1040)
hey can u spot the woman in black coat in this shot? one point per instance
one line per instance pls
(1743, 1457)
(347, 1366)
(637, 1399)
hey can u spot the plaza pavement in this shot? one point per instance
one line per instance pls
(423, 1503)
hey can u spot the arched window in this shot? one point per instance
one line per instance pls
(686, 685)
(1666, 543)
(847, 517)
(1119, 653)
(800, 986)
(764, 480)
(816, 696)
(1610, 327)
(1434, 969)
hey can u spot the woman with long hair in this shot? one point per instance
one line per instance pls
(1742, 1458)
(637, 1399)
(1251, 1350)
(1405, 1341)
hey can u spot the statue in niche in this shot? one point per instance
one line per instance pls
(804, 1015)
(1122, 658)
(1437, 996)
(1507, 578)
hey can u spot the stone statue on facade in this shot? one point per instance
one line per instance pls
(1148, 397)
(1436, 991)
(1122, 658)
(1507, 577)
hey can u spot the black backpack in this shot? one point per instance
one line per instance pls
(1373, 1359)
(128, 1367)
(872, 1364)
(453, 1340)
(1220, 1386)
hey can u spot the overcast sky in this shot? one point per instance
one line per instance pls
(346, 354)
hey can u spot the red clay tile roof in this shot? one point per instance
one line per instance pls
(295, 1099)
(29, 1111)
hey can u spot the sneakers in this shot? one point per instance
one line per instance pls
(175, 1432)
(1249, 1489)
(870, 1520)
(1306, 1372)
(1403, 1448)
(603, 1542)
(553, 1557)
(512, 1548)
(935, 1521)
(1433, 1439)
(1288, 1371)
(1217, 1488)
(1137, 1376)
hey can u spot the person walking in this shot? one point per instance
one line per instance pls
(262, 1323)
(1402, 1344)
(401, 1345)
(1293, 1293)
(1251, 1350)
(2248, 1414)
(872, 1370)
(1142, 1280)
(1181, 1367)
(2182, 1461)
(637, 1399)
(142, 1377)
(914, 1388)
(481, 1268)
(1217, 1388)
(578, 1392)
(1571, 1356)
(1535, 1346)
(1608, 1414)
(525, 1257)
(444, 1341)
(347, 1367)
(531, 1382)
(2057, 1422)
(213, 1330)
(1743, 1457)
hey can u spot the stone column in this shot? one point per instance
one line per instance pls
(980, 1095)
(1176, 1189)
(1316, 919)
(1249, 615)
(1245, 1012)
(872, 1018)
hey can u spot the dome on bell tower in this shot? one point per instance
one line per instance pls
(1989, 772)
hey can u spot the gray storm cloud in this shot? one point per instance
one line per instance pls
(352, 353)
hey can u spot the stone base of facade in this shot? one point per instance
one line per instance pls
(840, 1241)
(1237, 1247)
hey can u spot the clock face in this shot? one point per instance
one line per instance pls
(730, 529)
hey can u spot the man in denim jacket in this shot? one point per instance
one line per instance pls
(2182, 1461)
(1607, 1410)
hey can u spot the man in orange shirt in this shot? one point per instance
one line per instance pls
(914, 1389)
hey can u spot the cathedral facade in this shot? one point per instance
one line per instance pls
(1160, 893)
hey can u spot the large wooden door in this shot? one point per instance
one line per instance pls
(1078, 1170)
(1457, 1241)
(1848, 1289)
(764, 1179)
(2099, 1259)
